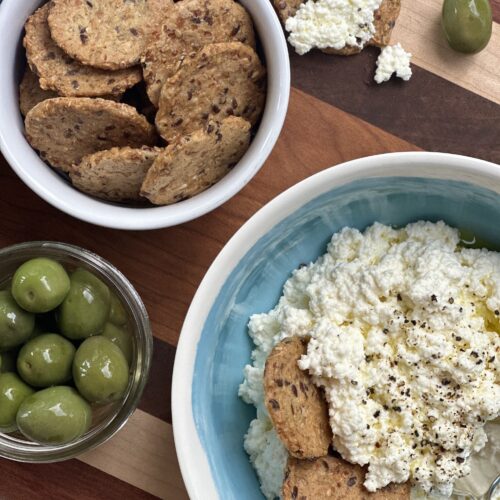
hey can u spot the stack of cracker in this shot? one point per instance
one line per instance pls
(299, 413)
(141, 100)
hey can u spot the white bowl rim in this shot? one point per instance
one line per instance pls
(114, 216)
(193, 462)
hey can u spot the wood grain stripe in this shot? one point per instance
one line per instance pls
(63, 481)
(419, 31)
(156, 397)
(495, 8)
(428, 111)
(143, 455)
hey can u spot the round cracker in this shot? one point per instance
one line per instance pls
(348, 50)
(66, 129)
(190, 25)
(297, 408)
(287, 8)
(59, 72)
(334, 478)
(107, 34)
(384, 21)
(30, 92)
(197, 161)
(114, 174)
(223, 79)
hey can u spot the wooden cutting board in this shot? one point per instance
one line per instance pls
(336, 114)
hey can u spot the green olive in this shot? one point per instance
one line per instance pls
(467, 24)
(16, 325)
(85, 309)
(100, 370)
(40, 285)
(117, 313)
(56, 415)
(121, 337)
(46, 360)
(13, 391)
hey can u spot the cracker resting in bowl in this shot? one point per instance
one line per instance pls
(334, 478)
(107, 34)
(62, 74)
(221, 80)
(30, 92)
(197, 161)
(114, 174)
(190, 25)
(296, 406)
(65, 129)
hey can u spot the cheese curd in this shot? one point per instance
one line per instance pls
(332, 24)
(393, 59)
(404, 338)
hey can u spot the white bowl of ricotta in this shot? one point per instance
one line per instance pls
(403, 319)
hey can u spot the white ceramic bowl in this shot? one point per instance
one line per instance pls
(59, 193)
(248, 275)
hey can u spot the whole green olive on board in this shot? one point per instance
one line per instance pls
(56, 415)
(85, 310)
(16, 324)
(100, 370)
(467, 24)
(13, 391)
(46, 360)
(40, 285)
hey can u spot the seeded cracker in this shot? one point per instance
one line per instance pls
(107, 34)
(221, 80)
(197, 161)
(30, 92)
(384, 21)
(189, 26)
(65, 129)
(296, 406)
(59, 72)
(115, 174)
(335, 479)
(287, 8)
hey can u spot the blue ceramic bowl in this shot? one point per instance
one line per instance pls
(247, 277)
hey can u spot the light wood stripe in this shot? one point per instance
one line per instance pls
(418, 29)
(142, 454)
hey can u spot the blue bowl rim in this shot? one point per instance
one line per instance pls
(194, 464)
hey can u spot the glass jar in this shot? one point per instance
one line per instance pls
(106, 419)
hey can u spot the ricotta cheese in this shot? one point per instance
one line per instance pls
(393, 59)
(404, 338)
(332, 24)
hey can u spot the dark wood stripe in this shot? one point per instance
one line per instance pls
(64, 481)
(428, 111)
(495, 7)
(156, 397)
